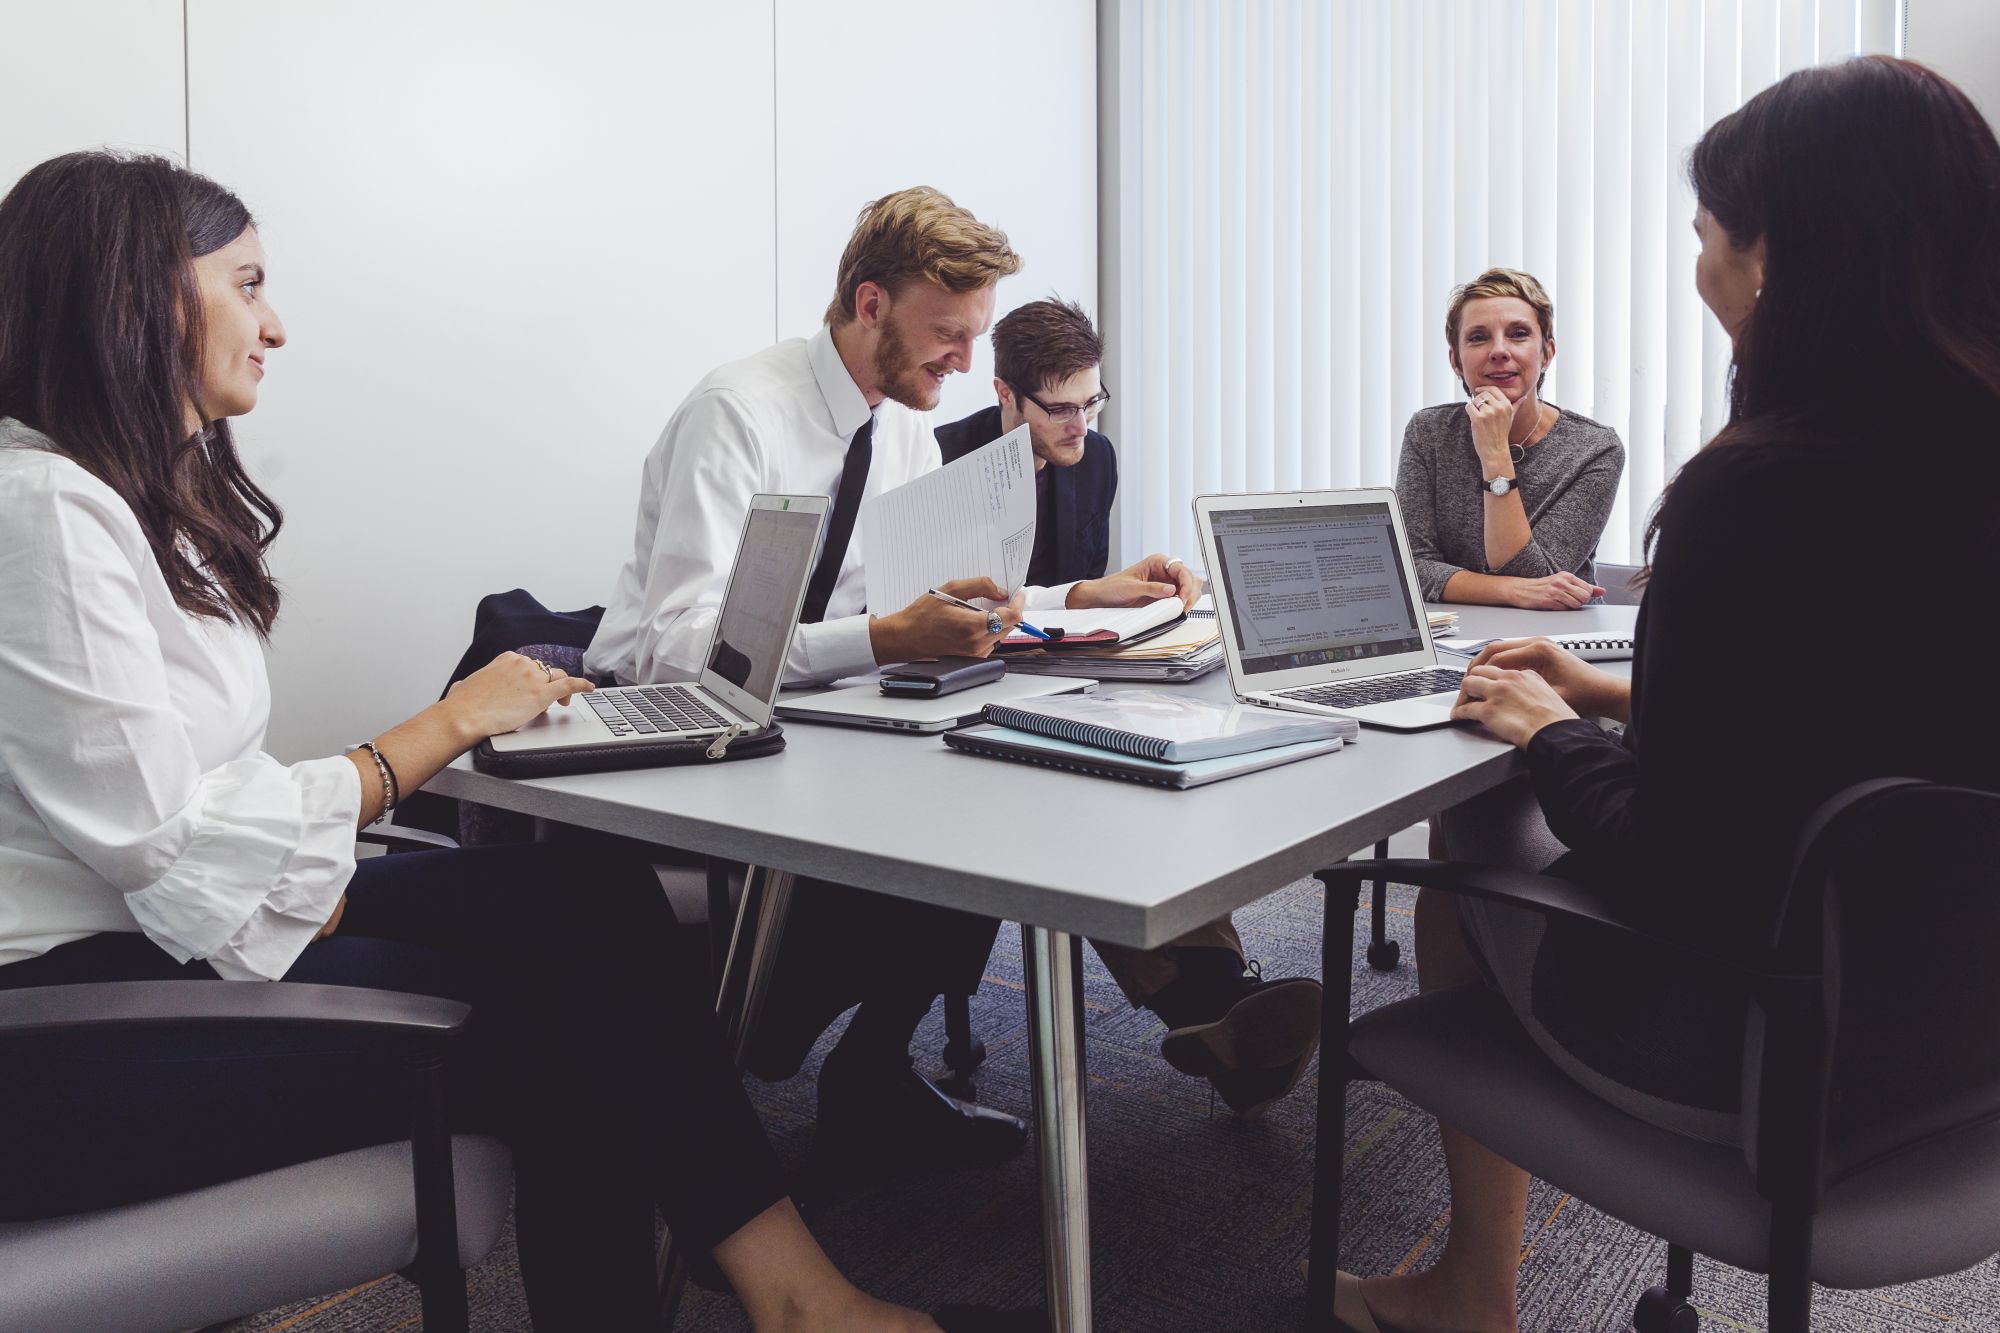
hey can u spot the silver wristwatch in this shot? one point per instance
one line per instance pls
(1497, 485)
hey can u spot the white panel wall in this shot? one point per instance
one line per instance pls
(1961, 40)
(505, 239)
(81, 76)
(997, 107)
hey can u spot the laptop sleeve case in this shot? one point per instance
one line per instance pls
(555, 763)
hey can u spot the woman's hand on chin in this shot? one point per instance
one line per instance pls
(1513, 705)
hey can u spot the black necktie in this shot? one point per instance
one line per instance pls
(847, 503)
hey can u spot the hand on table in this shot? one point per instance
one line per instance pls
(1561, 591)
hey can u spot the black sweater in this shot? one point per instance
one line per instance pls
(1809, 624)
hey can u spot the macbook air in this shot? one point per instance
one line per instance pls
(745, 661)
(1318, 607)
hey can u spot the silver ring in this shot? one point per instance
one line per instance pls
(548, 672)
(994, 624)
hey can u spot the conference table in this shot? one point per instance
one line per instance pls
(902, 814)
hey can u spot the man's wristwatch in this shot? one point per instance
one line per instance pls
(1497, 485)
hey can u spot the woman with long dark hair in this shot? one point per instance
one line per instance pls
(144, 835)
(1811, 570)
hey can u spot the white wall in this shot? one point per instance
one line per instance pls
(506, 237)
(996, 106)
(83, 76)
(1961, 40)
(503, 251)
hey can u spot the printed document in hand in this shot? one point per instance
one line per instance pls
(972, 517)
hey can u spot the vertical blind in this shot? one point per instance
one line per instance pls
(1299, 184)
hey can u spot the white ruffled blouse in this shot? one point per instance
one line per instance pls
(134, 794)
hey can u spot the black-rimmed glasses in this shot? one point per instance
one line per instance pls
(1064, 413)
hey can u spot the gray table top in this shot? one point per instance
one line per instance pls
(901, 814)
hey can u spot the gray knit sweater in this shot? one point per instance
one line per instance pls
(1567, 483)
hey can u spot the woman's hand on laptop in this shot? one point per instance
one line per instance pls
(1151, 579)
(1513, 705)
(506, 693)
(1560, 591)
(1590, 691)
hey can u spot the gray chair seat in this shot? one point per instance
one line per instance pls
(233, 1249)
(1460, 1055)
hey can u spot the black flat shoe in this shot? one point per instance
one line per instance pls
(985, 1319)
(896, 1120)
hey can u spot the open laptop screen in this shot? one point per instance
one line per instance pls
(761, 605)
(1315, 584)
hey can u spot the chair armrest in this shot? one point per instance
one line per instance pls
(399, 837)
(104, 1005)
(1553, 897)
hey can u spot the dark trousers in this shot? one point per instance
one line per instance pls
(844, 947)
(589, 1053)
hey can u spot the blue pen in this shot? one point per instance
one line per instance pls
(1023, 626)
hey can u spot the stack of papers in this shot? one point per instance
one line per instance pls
(1442, 622)
(1188, 651)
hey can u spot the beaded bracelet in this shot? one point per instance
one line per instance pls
(390, 791)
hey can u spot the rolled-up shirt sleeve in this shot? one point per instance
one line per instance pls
(706, 485)
(239, 863)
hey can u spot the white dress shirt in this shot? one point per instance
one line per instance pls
(777, 422)
(133, 791)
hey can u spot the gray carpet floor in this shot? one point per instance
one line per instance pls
(1198, 1219)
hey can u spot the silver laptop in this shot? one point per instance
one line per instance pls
(745, 662)
(1319, 609)
(867, 706)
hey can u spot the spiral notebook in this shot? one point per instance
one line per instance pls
(1150, 724)
(1050, 752)
(1589, 647)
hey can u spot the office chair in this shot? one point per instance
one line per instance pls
(1616, 580)
(1871, 1090)
(1383, 952)
(429, 1208)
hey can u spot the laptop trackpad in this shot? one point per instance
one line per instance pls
(571, 725)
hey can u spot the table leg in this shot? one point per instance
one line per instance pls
(1330, 1130)
(1055, 1026)
(753, 954)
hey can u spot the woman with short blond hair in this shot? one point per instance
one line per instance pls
(1505, 497)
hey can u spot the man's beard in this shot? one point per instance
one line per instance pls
(899, 375)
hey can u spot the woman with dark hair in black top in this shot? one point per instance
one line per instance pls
(1812, 571)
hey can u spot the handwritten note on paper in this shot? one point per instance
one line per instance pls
(972, 517)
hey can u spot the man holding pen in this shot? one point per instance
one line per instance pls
(845, 414)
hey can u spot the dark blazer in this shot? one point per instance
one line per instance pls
(1082, 497)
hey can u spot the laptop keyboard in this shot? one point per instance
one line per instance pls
(651, 709)
(1377, 689)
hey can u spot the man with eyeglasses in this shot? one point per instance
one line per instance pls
(1251, 1038)
(1046, 372)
